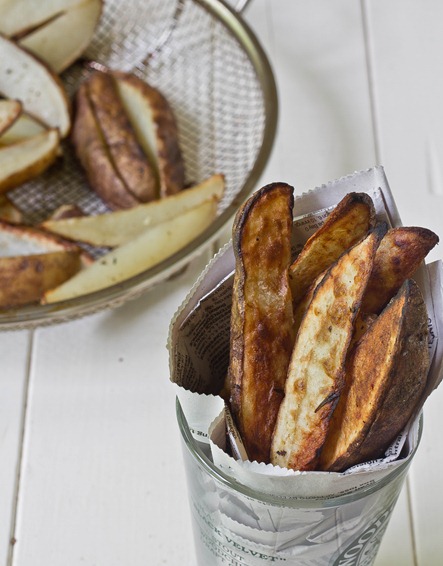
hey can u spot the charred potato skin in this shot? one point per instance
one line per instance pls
(25, 279)
(382, 389)
(261, 333)
(398, 256)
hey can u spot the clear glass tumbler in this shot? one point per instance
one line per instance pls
(236, 526)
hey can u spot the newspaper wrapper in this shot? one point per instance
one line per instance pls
(199, 357)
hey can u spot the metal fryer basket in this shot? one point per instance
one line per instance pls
(211, 68)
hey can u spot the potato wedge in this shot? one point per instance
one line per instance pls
(350, 220)
(385, 377)
(398, 256)
(10, 110)
(262, 332)
(122, 146)
(137, 255)
(26, 78)
(27, 159)
(31, 262)
(63, 37)
(316, 370)
(93, 155)
(25, 126)
(156, 129)
(118, 227)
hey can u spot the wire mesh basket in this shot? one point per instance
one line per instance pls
(215, 75)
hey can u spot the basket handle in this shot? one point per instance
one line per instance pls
(240, 5)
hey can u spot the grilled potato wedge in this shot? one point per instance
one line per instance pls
(316, 371)
(25, 126)
(32, 262)
(385, 377)
(350, 220)
(400, 253)
(262, 331)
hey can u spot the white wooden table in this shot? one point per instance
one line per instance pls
(90, 463)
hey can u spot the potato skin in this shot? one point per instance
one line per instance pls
(385, 378)
(124, 151)
(25, 279)
(262, 333)
(93, 156)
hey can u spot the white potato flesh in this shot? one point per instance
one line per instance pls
(148, 249)
(23, 241)
(26, 78)
(62, 40)
(28, 158)
(17, 16)
(116, 228)
(24, 127)
(139, 112)
(9, 112)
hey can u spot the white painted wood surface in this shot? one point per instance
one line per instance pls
(90, 469)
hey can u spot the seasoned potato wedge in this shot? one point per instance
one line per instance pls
(146, 250)
(126, 138)
(25, 160)
(262, 332)
(115, 228)
(400, 253)
(10, 110)
(31, 262)
(316, 372)
(350, 220)
(385, 377)
(26, 78)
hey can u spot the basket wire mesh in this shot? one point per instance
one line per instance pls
(210, 67)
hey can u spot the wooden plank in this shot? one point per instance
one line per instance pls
(14, 353)
(103, 480)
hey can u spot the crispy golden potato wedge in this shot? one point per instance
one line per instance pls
(400, 253)
(385, 377)
(26, 78)
(32, 261)
(156, 129)
(118, 227)
(262, 332)
(316, 371)
(64, 35)
(25, 160)
(146, 250)
(10, 110)
(350, 220)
